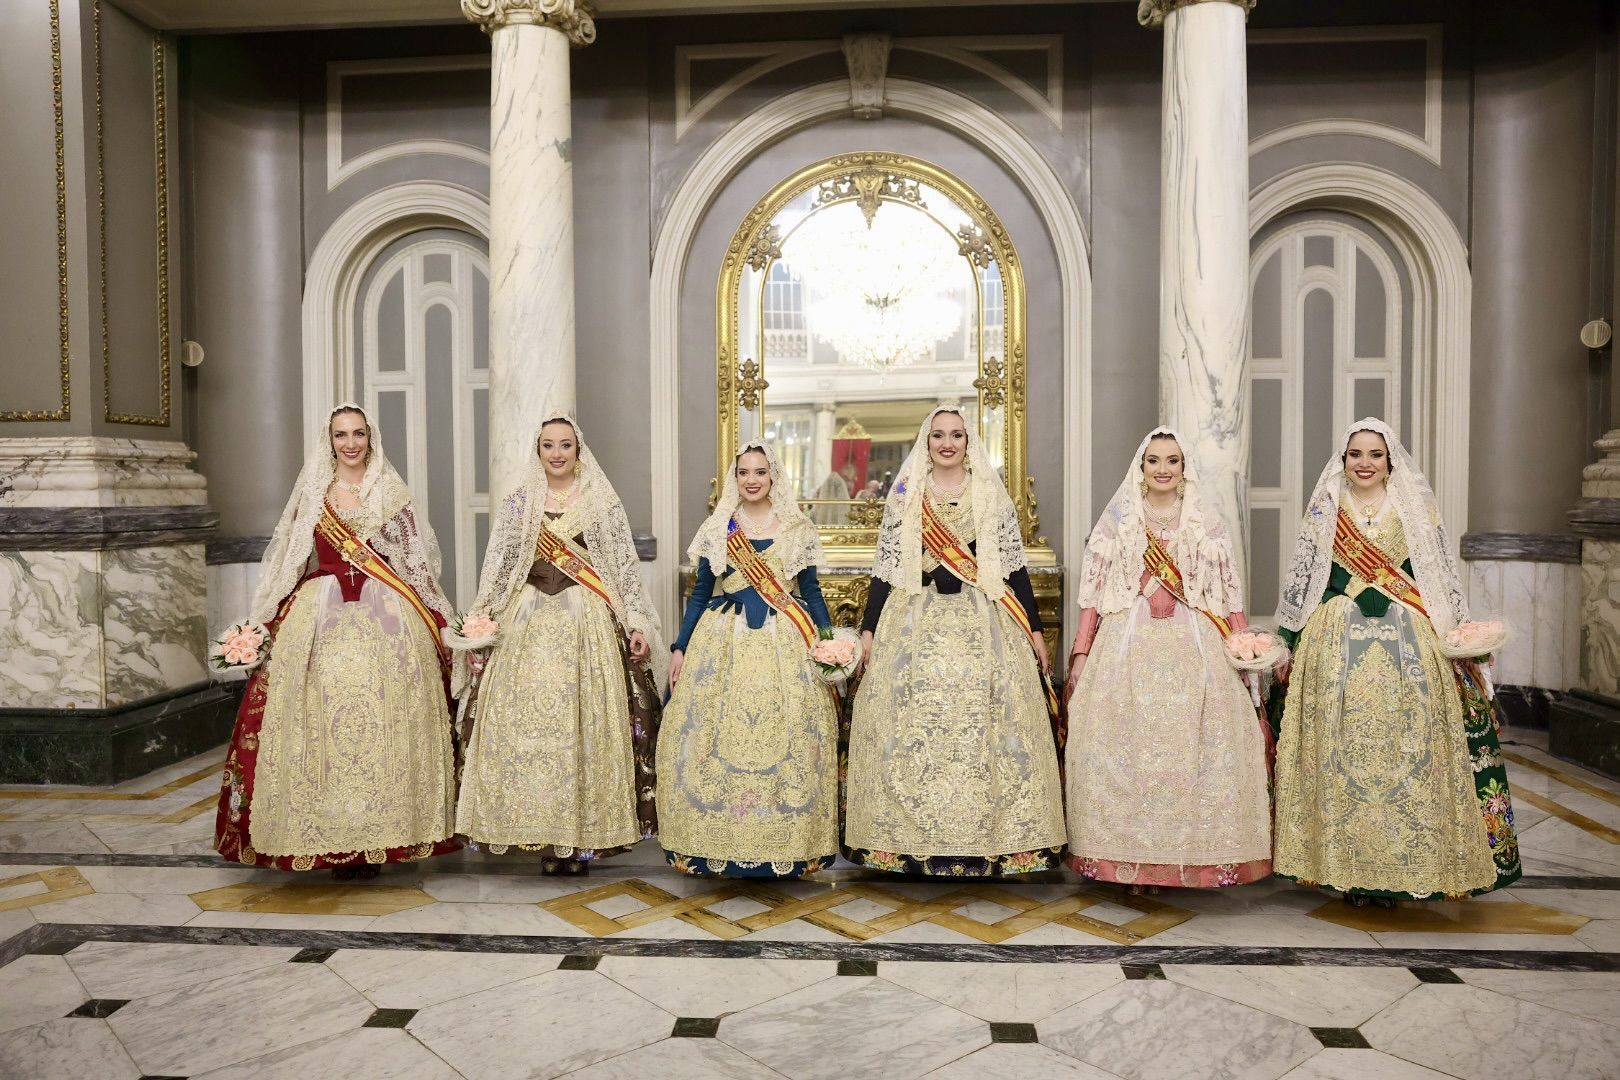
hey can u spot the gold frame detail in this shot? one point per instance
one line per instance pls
(64, 411)
(867, 179)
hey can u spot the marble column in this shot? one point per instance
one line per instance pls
(531, 196)
(821, 447)
(1204, 244)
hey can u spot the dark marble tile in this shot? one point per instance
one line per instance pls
(389, 1018)
(1585, 728)
(1521, 547)
(312, 956)
(99, 1008)
(1013, 1033)
(695, 1027)
(236, 549)
(154, 1076)
(1341, 1038)
(1142, 971)
(577, 962)
(1436, 975)
(857, 967)
(97, 528)
(1526, 706)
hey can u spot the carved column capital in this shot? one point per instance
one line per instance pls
(574, 18)
(1152, 13)
(868, 58)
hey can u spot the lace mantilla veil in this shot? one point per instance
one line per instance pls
(595, 511)
(1438, 576)
(1000, 549)
(386, 521)
(797, 541)
(1111, 572)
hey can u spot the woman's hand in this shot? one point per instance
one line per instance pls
(1040, 654)
(638, 647)
(477, 660)
(866, 649)
(677, 660)
(1283, 669)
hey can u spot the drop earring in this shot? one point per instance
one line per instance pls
(1181, 487)
(1144, 486)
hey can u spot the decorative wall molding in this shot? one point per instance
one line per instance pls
(97, 470)
(970, 52)
(1521, 547)
(339, 168)
(224, 550)
(742, 141)
(64, 409)
(339, 262)
(99, 528)
(1425, 144)
(868, 58)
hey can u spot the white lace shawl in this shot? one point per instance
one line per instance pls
(1433, 564)
(386, 521)
(595, 511)
(1000, 543)
(1111, 572)
(797, 542)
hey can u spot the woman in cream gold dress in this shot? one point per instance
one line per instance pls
(748, 755)
(1390, 783)
(952, 763)
(341, 756)
(562, 721)
(1166, 754)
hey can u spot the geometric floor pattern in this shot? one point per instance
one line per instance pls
(127, 949)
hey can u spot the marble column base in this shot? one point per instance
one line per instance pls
(1584, 727)
(93, 470)
(109, 746)
(1527, 706)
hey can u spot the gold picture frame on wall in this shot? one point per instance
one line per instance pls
(986, 366)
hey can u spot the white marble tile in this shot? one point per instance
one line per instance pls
(1603, 936)
(14, 922)
(913, 1034)
(1527, 942)
(157, 909)
(618, 906)
(679, 1059)
(1004, 992)
(409, 979)
(493, 888)
(1338, 1064)
(372, 1053)
(927, 933)
(1592, 994)
(38, 988)
(129, 970)
(1593, 903)
(479, 919)
(22, 890)
(1338, 997)
(1149, 1029)
(797, 930)
(180, 880)
(213, 1024)
(1264, 930)
(544, 1026)
(1018, 1061)
(1557, 844)
(1474, 1033)
(50, 630)
(194, 837)
(54, 836)
(275, 920)
(1516, 665)
(1053, 934)
(76, 1049)
(693, 986)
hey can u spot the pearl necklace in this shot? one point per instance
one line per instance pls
(352, 489)
(755, 526)
(1165, 523)
(940, 491)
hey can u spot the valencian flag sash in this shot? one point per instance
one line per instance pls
(758, 574)
(571, 561)
(1368, 561)
(1162, 566)
(358, 554)
(944, 546)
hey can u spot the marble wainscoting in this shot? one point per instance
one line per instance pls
(233, 575)
(1533, 582)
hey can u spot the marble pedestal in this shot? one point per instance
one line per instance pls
(103, 605)
(1585, 727)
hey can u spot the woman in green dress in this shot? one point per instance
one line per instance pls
(1389, 780)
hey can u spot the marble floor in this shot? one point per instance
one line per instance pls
(129, 949)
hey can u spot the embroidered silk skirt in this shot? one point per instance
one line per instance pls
(952, 764)
(748, 754)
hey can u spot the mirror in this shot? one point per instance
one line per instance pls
(856, 295)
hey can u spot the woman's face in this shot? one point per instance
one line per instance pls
(351, 438)
(1162, 465)
(558, 448)
(1366, 462)
(753, 476)
(947, 440)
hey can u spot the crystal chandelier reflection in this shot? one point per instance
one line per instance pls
(878, 292)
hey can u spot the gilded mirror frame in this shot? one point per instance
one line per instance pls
(871, 178)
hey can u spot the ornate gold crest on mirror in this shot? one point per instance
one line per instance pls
(855, 295)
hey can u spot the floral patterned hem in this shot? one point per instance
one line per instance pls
(1502, 881)
(1171, 875)
(699, 866)
(1016, 862)
(552, 851)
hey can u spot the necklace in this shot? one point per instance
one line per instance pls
(352, 489)
(564, 497)
(755, 526)
(1369, 510)
(945, 493)
(1166, 522)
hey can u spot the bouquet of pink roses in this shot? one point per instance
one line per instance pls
(1254, 650)
(837, 654)
(1474, 640)
(242, 647)
(471, 631)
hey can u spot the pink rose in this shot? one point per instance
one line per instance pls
(478, 626)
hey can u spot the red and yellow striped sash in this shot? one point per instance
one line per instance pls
(571, 561)
(1162, 566)
(757, 572)
(1367, 561)
(944, 546)
(358, 554)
